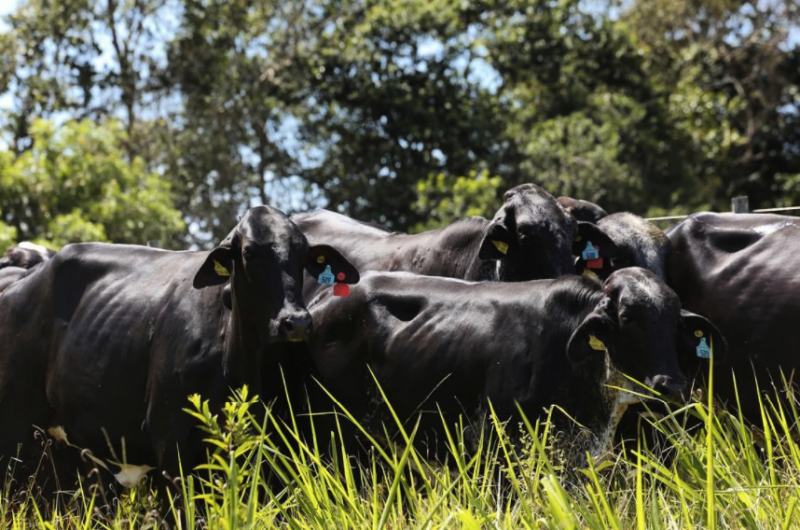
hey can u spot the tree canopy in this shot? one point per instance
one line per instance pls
(74, 184)
(393, 111)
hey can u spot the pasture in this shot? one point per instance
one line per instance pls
(721, 473)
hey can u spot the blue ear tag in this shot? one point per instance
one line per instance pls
(589, 252)
(326, 277)
(702, 350)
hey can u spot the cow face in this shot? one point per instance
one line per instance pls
(263, 257)
(638, 324)
(531, 236)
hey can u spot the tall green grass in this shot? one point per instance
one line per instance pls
(710, 469)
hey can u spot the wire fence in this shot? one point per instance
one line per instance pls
(738, 205)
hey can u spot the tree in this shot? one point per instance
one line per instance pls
(734, 81)
(76, 184)
(649, 106)
(443, 199)
(90, 59)
(393, 100)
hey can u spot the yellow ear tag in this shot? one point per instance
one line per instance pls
(590, 274)
(320, 259)
(220, 269)
(596, 344)
(698, 333)
(501, 246)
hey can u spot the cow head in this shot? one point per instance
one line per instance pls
(531, 236)
(263, 258)
(637, 328)
(625, 240)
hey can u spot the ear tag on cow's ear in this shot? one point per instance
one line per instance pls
(501, 246)
(341, 289)
(703, 351)
(590, 252)
(220, 269)
(590, 274)
(326, 276)
(595, 263)
(596, 344)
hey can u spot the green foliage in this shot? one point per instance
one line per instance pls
(8, 236)
(75, 184)
(443, 199)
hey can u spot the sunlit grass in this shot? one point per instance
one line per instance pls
(710, 469)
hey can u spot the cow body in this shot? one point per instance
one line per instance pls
(742, 271)
(451, 251)
(117, 339)
(103, 343)
(453, 344)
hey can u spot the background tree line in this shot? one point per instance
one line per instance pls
(135, 120)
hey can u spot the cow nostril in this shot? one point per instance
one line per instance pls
(668, 386)
(296, 327)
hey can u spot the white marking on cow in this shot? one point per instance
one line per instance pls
(57, 432)
(130, 475)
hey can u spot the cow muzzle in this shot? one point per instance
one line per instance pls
(295, 327)
(669, 387)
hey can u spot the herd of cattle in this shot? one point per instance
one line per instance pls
(553, 301)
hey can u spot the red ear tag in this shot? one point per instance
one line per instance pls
(595, 263)
(341, 276)
(341, 289)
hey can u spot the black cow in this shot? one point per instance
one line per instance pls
(530, 237)
(103, 343)
(742, 271)
(25, 255)
(438, 341)
(582, 210)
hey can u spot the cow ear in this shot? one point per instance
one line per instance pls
(591, 340)
(218, 266)
(594, 249)
(587, 232)
(703, 338)
(496, 241)
(320, 257)
(216, 269)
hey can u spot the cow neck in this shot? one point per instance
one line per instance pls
(582, 394)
